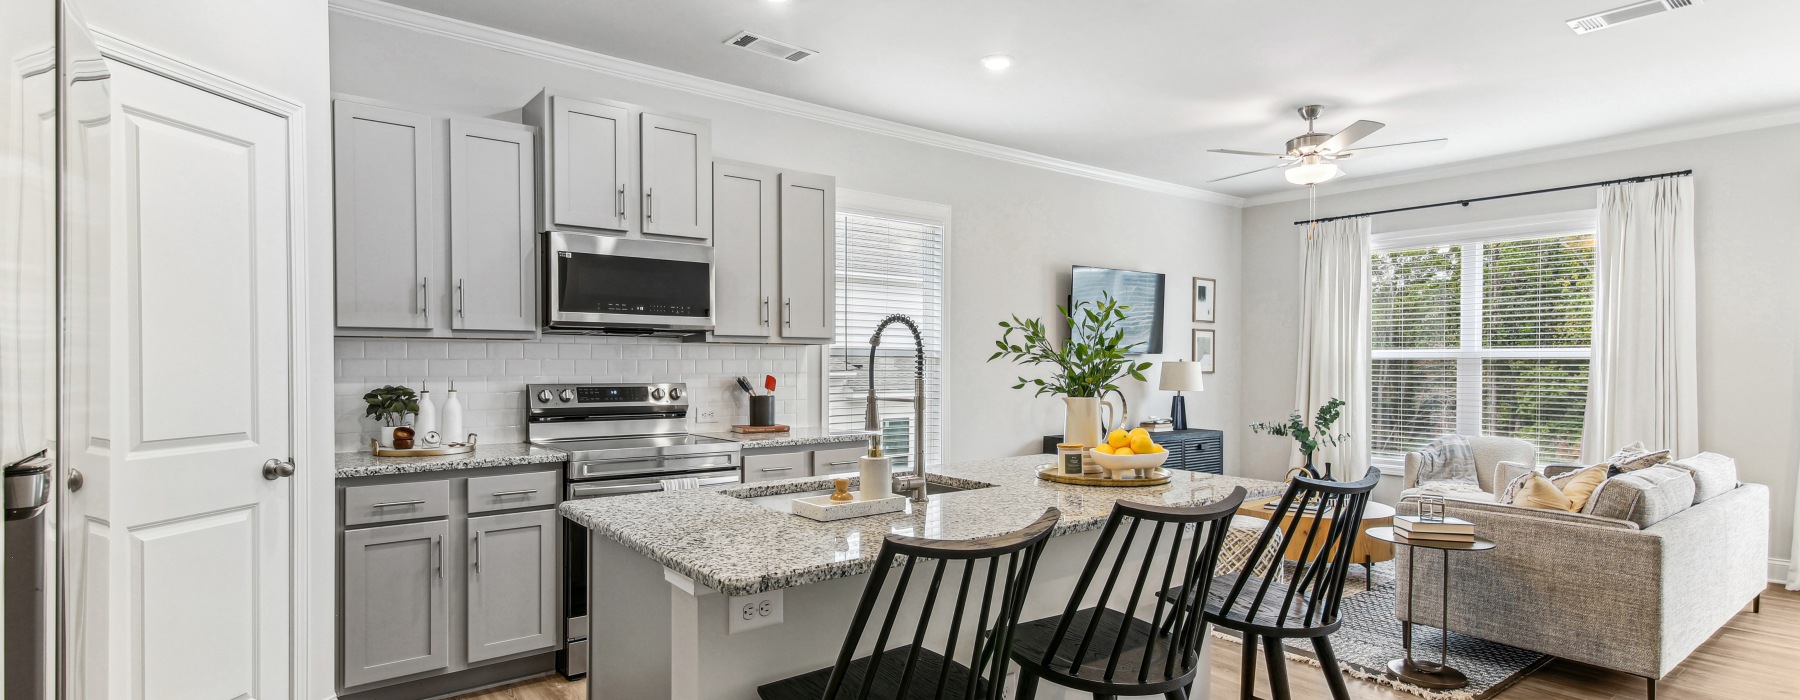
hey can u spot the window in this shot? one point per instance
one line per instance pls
(1482, 333)
(888, 264)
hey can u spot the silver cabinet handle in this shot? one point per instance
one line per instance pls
(392, 504)
(650, 205)
(425, 296)
(276, 468)
(787, 312)
(619, 200)
(520, 492)
(461, 299)
(767, 470)
(439, 539)
(839, 464)
(477, 555)
(765, 313)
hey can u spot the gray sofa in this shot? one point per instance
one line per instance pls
(1635, 594)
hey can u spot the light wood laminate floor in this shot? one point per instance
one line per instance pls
(1756, 657)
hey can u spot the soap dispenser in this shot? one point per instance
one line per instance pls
(876, 472)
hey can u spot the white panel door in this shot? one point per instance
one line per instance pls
(745, 248)
(808, 255)
(493, 261)
(201, 541)
(677, 163)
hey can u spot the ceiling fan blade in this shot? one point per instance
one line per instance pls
(1351, 134)
(1425, 145)
(1248, 153)
(1252, 172)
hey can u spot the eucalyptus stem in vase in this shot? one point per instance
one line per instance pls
(1088, 366)
(1310, 438)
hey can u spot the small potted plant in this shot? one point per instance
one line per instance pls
(1088, 366)
(390, 404)
(1310, 437)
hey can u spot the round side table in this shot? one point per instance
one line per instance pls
(1438, 676)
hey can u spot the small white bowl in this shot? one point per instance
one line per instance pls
(1116, 465)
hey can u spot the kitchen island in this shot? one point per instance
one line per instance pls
(708, 594)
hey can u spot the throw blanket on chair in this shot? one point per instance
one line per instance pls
(1448, 465)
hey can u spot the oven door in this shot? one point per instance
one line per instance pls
(572, 661)
(595, 282)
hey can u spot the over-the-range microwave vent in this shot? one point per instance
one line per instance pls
(759, 44)
(1620, 15)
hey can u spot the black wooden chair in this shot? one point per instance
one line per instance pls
(1004, 563)
(1093, 648)
(1304, 602)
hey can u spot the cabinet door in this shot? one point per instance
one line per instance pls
(492, 252)
(512, 584)
(677, 163)
(745, 250)
(808, 252)
(590, 180)
(396, 618)
(390, 231)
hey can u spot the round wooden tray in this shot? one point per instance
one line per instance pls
(1048, 472)
(376, 449)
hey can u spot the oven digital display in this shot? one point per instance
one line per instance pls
(612, 394)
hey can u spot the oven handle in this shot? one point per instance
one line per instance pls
(652, 485)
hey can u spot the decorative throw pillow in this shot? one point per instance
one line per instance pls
(1579, 485)
(1714, 474)
(1645, 496)
(1536, 491)
(1569, 492)
(1633, 457)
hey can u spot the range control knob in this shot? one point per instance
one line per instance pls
(656, 394)
(674, 394)
(567, 395)
(544, 396)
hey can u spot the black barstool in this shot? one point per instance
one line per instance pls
(1305, 604)
(1004, 562)
(1094, 648)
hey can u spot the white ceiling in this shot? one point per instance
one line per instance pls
(1146, 86)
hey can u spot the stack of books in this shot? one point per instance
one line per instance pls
(1446, 530)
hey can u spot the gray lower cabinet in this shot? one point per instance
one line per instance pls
(396, 614)
(512, 584)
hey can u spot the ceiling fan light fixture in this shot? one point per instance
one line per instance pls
(1312, 171)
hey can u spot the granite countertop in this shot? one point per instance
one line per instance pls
(355, 464)
(740, 547)
(794, 436)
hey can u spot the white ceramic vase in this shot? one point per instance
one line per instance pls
(387, 438)
(1082, 424)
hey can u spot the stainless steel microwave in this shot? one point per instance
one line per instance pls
(597, 283)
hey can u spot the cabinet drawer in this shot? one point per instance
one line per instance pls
(513, 491)
(837, 461)
(387, 503)
(786, 465)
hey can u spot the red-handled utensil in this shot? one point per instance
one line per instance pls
(769, 383)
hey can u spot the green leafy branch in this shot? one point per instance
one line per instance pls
(1090, 364)
(1310, 437)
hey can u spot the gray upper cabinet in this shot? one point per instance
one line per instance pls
(746, 245)
(676, 156)
(493, 261)
(389, 223)
(808, 252)
(396, 616)
(512, 584)
(587, 162)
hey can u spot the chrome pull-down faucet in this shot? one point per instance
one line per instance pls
(912, 483)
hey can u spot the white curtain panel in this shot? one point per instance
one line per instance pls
(1334, 337)
(1641, 385)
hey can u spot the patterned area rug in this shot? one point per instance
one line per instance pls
(1370, 638)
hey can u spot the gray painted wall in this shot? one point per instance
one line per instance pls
(1748, 250)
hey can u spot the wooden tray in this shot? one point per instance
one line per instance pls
(376, 449)
(1048, 472)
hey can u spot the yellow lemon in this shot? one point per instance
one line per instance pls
(1118, 438)
(1123, 452)
(1104, 449)
(1139, 431)
(1142, 444)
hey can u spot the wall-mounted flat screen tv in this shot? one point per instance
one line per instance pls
(1142, 291)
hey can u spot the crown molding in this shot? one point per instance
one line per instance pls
(489, 37)
(1611, 144)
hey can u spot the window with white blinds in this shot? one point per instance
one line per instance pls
(1481, 337)
(885, 267)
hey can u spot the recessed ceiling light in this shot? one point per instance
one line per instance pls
(997, 61)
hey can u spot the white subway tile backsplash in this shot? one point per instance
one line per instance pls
(449, 368)
(467, 350)
(524, 367)
(409, 367)
(364, 368)
(428, 350)
(384, 349)
(505, 350)
(349, 349)
(558, 367)
(574, 351)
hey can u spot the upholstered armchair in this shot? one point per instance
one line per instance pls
(1489, 451)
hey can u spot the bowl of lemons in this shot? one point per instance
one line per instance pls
(1129, 454)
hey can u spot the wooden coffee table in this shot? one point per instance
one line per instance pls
(1366, 551)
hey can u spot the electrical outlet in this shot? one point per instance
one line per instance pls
(707, 415)
(748, 612)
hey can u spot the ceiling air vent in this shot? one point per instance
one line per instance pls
(769, 47)
(1621, 15)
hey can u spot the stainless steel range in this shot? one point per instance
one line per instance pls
(621, 439)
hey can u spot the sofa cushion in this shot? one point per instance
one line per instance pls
(1635, 456)
(1714, 474)
(1644, 496)
(1459, 508)
(1427, 490)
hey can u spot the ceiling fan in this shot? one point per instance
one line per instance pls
(1311, 158)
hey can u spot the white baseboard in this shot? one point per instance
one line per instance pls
(1778, 570)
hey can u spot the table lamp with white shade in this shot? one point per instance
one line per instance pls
(1179, 376)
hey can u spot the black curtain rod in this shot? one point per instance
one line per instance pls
(1467, 202)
